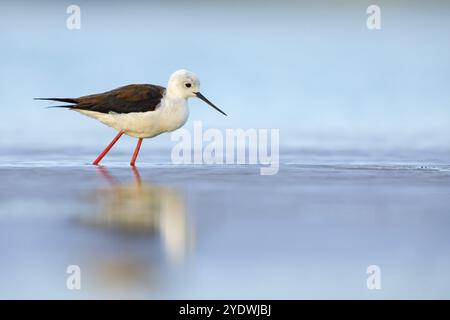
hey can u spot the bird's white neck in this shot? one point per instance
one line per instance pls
(174, 112)
(174, 100)
(174, 94)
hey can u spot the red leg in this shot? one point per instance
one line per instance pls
(136, 151)
(100, 157)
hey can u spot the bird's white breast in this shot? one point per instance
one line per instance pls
(173, 113)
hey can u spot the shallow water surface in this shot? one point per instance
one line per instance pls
(166, 231)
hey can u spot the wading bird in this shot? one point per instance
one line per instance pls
(140, 110)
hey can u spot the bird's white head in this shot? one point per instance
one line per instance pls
(185, 84)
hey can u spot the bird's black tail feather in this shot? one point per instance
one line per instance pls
(69, 106)
(68, 100)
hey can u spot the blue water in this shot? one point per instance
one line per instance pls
(167, 231)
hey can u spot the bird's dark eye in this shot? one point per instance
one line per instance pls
(188, 85)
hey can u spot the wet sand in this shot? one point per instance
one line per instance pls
(166, 231)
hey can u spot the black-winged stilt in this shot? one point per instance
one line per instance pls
(140, 110)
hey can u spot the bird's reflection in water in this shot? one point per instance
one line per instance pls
(141, 208)
(131, 266)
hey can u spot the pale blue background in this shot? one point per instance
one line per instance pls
(313, 70)
(364, 119)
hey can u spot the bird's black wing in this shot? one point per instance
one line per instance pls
(127, 99)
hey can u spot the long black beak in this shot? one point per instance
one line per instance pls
(202, 97)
